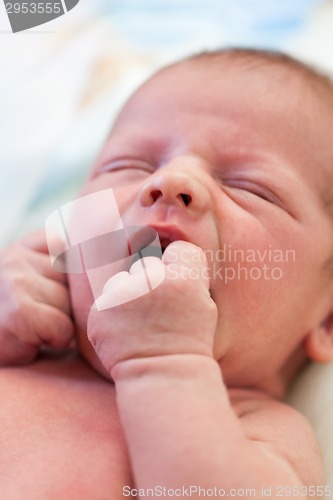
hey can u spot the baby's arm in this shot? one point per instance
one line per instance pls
(35, 304)
(180, 426)
(182, 431)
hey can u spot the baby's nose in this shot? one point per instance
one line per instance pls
(177, 186)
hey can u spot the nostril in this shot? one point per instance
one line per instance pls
(186, 198)
(155, 194)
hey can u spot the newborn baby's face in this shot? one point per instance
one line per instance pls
(225, 159)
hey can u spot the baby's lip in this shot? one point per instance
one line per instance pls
(151, 240)
(168, 234)
(140, 237)
(142, 242)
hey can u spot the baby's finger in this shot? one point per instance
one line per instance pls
(188, 260)
(39, 245)
(112, 282)
(42, 264)
(123, 287)
(36, 241)
(152, 268)
(15, 352)
(53, 294)
(50, 326)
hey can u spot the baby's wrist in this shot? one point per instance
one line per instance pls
(172, 367)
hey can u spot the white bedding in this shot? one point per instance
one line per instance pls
(312, 395)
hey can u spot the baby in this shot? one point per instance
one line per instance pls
(228, 157)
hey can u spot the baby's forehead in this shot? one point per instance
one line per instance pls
(273, 73)
(201, 77)
(274, 93)
(297, 93)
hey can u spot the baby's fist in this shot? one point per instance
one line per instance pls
(178, 316)
(35, 304)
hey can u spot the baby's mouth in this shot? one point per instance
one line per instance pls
(143, 241)
(152, 241)
(152, 250)
(165, 242)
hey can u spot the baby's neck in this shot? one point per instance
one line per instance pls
(279, 384)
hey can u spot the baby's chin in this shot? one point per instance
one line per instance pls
(88, 352)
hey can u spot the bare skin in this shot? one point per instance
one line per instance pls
(239, 433)
(61, 436)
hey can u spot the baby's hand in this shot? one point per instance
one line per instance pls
(35, 304)
(177, 317)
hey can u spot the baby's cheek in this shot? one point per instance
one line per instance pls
(81, 299)
(89, 354)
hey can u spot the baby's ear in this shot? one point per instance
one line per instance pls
(319, 342)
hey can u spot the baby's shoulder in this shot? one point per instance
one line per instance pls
(282, 430)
